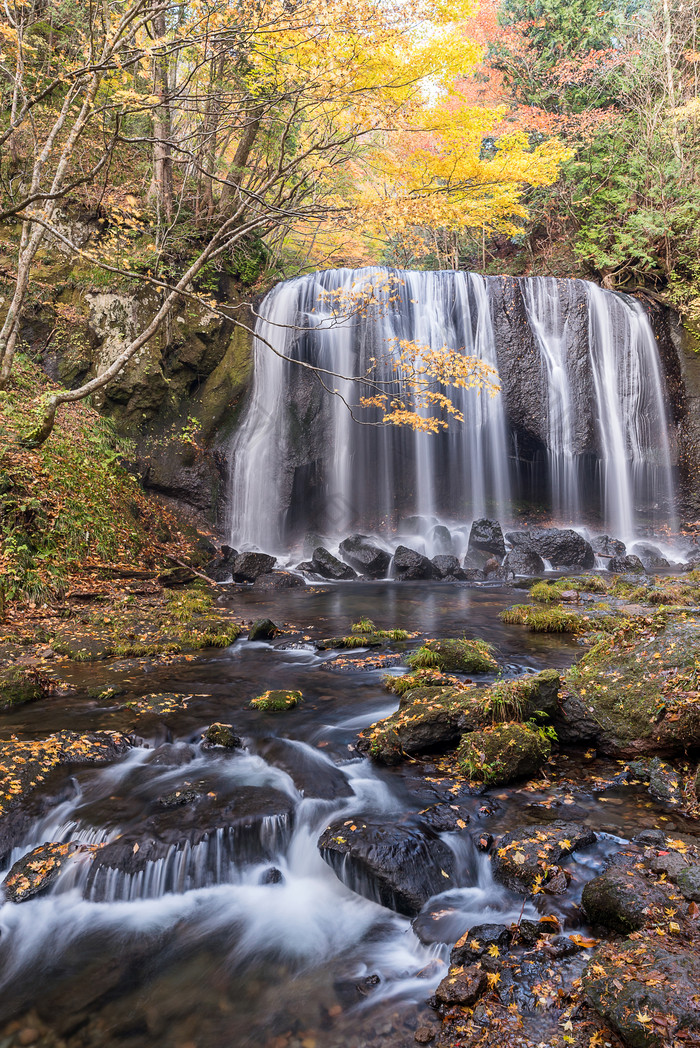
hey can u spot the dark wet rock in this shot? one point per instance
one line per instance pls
(486, 536)
(173, 754)
(445, 818)
(247, 823)
(307, 568)
(523, 856)
(272, 876)
(688, 881)
(262, 629)
(408, 565)
(605, 546)
(441, 539)
(399, 866)
(475, 943)
(655, 979)
(221, 567)
(664, 783)
(562, 946)
(425, 1034)
(312, 774)
(484, 841)
(179, 798)
(503, 753)
(38, 870)
(650, 556)
(247, 567)
(329, 567)
(522, 562)
(474, 560)
(278, 580)
(221, 735)
(629, 564)
(670, 863)
(530, 931)
(447, 566)
(364, 557)
(622, 899)
(463, 987)
(562, 547)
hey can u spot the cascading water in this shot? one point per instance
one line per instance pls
(595, 414)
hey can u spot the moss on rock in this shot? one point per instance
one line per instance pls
(503, 753)
(454, 655)
(276, 701)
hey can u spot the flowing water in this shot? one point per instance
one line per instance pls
(600, 429)
(215, 932)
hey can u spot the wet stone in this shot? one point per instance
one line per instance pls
(399, 866)
(462, 986)
(476, 942)
(178, 798)
(262, 629)
(689, 883)
(39, 870)
(221, 735)
(524, 856)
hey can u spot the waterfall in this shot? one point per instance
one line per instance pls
(582, 392)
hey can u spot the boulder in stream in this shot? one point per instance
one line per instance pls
(278, 580)
(221, 567)
(605, 546)
(523, 562)
(562, 547)
(525, 857)
(366, 558)
(626, 565)
(248, 566)
(447, 566)
(398, 865)
(503, 753)
(323, 563)
(38, 870)
(262, 629)
(486, 536)
(409, 566)
(650, 556)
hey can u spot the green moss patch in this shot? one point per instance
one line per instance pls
(276, 701)
(503, 753)
(454, 655)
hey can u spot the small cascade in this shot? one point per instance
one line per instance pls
(581, 416)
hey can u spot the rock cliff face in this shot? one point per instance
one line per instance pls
(178, 400)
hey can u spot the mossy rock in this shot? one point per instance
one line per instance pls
(426, 678)
(277, 700)
(429, 719)
(637, 691)
(454, 655)
(503, 753)
(524, 698)
(18, 686)
(371, 638)
(223, 735)
(550, 619)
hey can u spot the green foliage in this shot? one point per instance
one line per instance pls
(276, 701)
(184, 605)
(544, 620)
(423, 658)
(454, 655)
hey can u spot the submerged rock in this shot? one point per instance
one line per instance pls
(441, 539)
(476, 942)
(399, 866)
(562, 547)
(364, 557)
(503, 753)
(486, 536)
(408, 565)
(329, 567)
(247, 567)
(525, 856)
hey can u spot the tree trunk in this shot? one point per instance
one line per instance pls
(234, 178)
(162, 187)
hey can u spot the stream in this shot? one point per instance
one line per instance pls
(247, 937)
